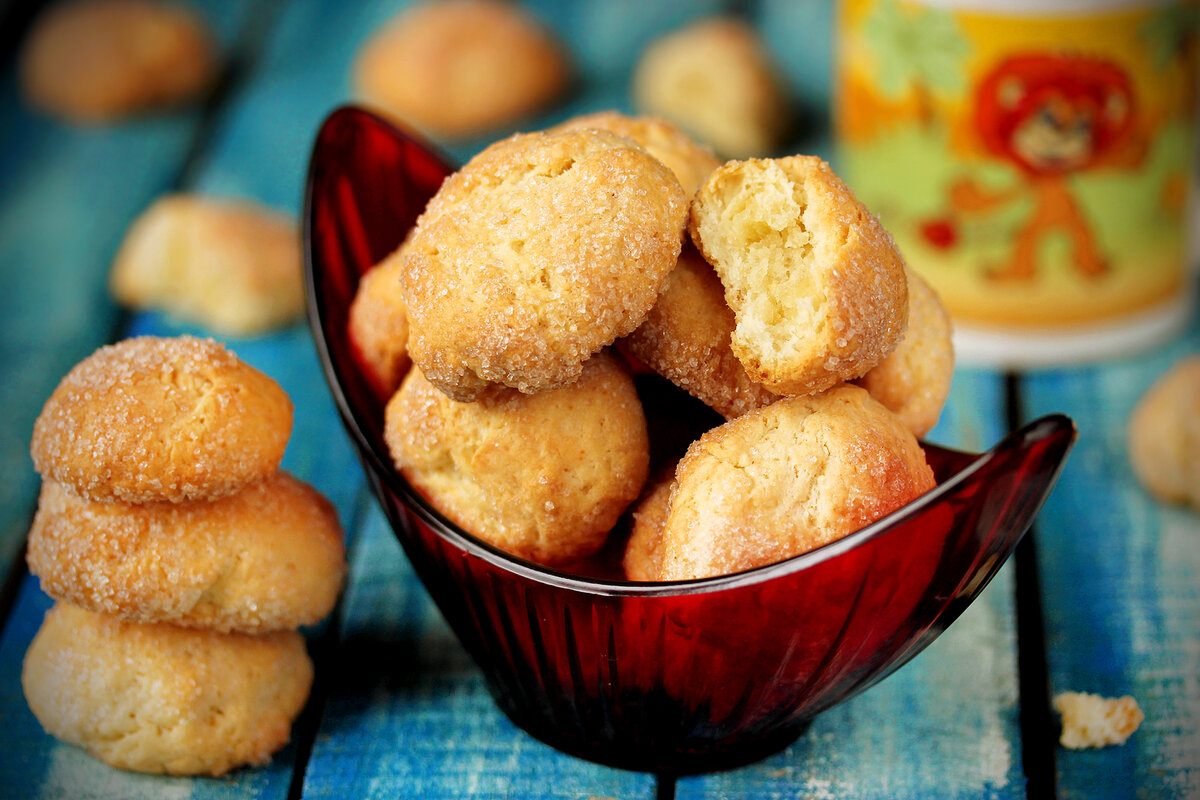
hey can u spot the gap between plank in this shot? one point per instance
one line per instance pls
(236, 63)
(1038, 725)
(664, 786)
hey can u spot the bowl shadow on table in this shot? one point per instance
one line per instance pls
(675, 677)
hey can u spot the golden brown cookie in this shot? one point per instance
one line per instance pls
(542, 476)
(543, 249)
(153, 418)
(99, 60)
(460, 67)
(163, 699)
(914, 379)
(1091, 720)
(816, 284)
(1163, 435)
(643, 552)
(715, 79)
(785, 479)
(267, 558)
(691, 161)
(230, 265)
(378, 323)
(686, 338)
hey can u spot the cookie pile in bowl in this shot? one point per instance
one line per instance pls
(803, 548)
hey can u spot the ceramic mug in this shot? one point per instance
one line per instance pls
(1033, 160)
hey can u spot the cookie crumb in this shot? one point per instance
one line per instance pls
(1090, 720)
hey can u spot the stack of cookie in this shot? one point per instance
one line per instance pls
(182, 559)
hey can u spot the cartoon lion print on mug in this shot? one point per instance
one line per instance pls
(1050, 116)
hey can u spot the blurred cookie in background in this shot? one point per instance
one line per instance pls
(95, 61)
(230, 265)
(1164, 435)
(715, 79)
(461, 67)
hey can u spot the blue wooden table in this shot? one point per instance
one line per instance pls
(1104, 596)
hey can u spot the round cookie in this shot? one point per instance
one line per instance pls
(785, 479)
(642, 560)
(543, 249)
(913, 381)
(691, 161)
(542, 476)
(686, 337)
(99, 60)
(267, 558)
(152, 418)
(1163, 435)
(162, 699)
(459, 67)
(715, 79)
(230, 265)
(817, 287)
(378, 323)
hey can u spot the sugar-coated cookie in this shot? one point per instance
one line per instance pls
(817, 287)
(642, 560)
(685, 338)
(690, 160)
(716, 80)
(154, 418)
(1163, 435)
(163, 699)
(99, 60)
(230, 265)
(378, 323)
(542, 476)
(460, 67)
(543, 249)
(269, 557)
(787, 478)
(914, 379)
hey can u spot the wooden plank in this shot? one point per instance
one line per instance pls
(946, 724)
(1121, 586)
(68, 194)
(409, 715)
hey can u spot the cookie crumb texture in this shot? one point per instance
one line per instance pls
(1090, 720)
(787, 478)
(543, 249)
(542, 476)
(816, 284)
(267, 558)
(914, 379)
(152, 419)
(161, 699)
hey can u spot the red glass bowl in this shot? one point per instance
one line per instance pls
(671, 677)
